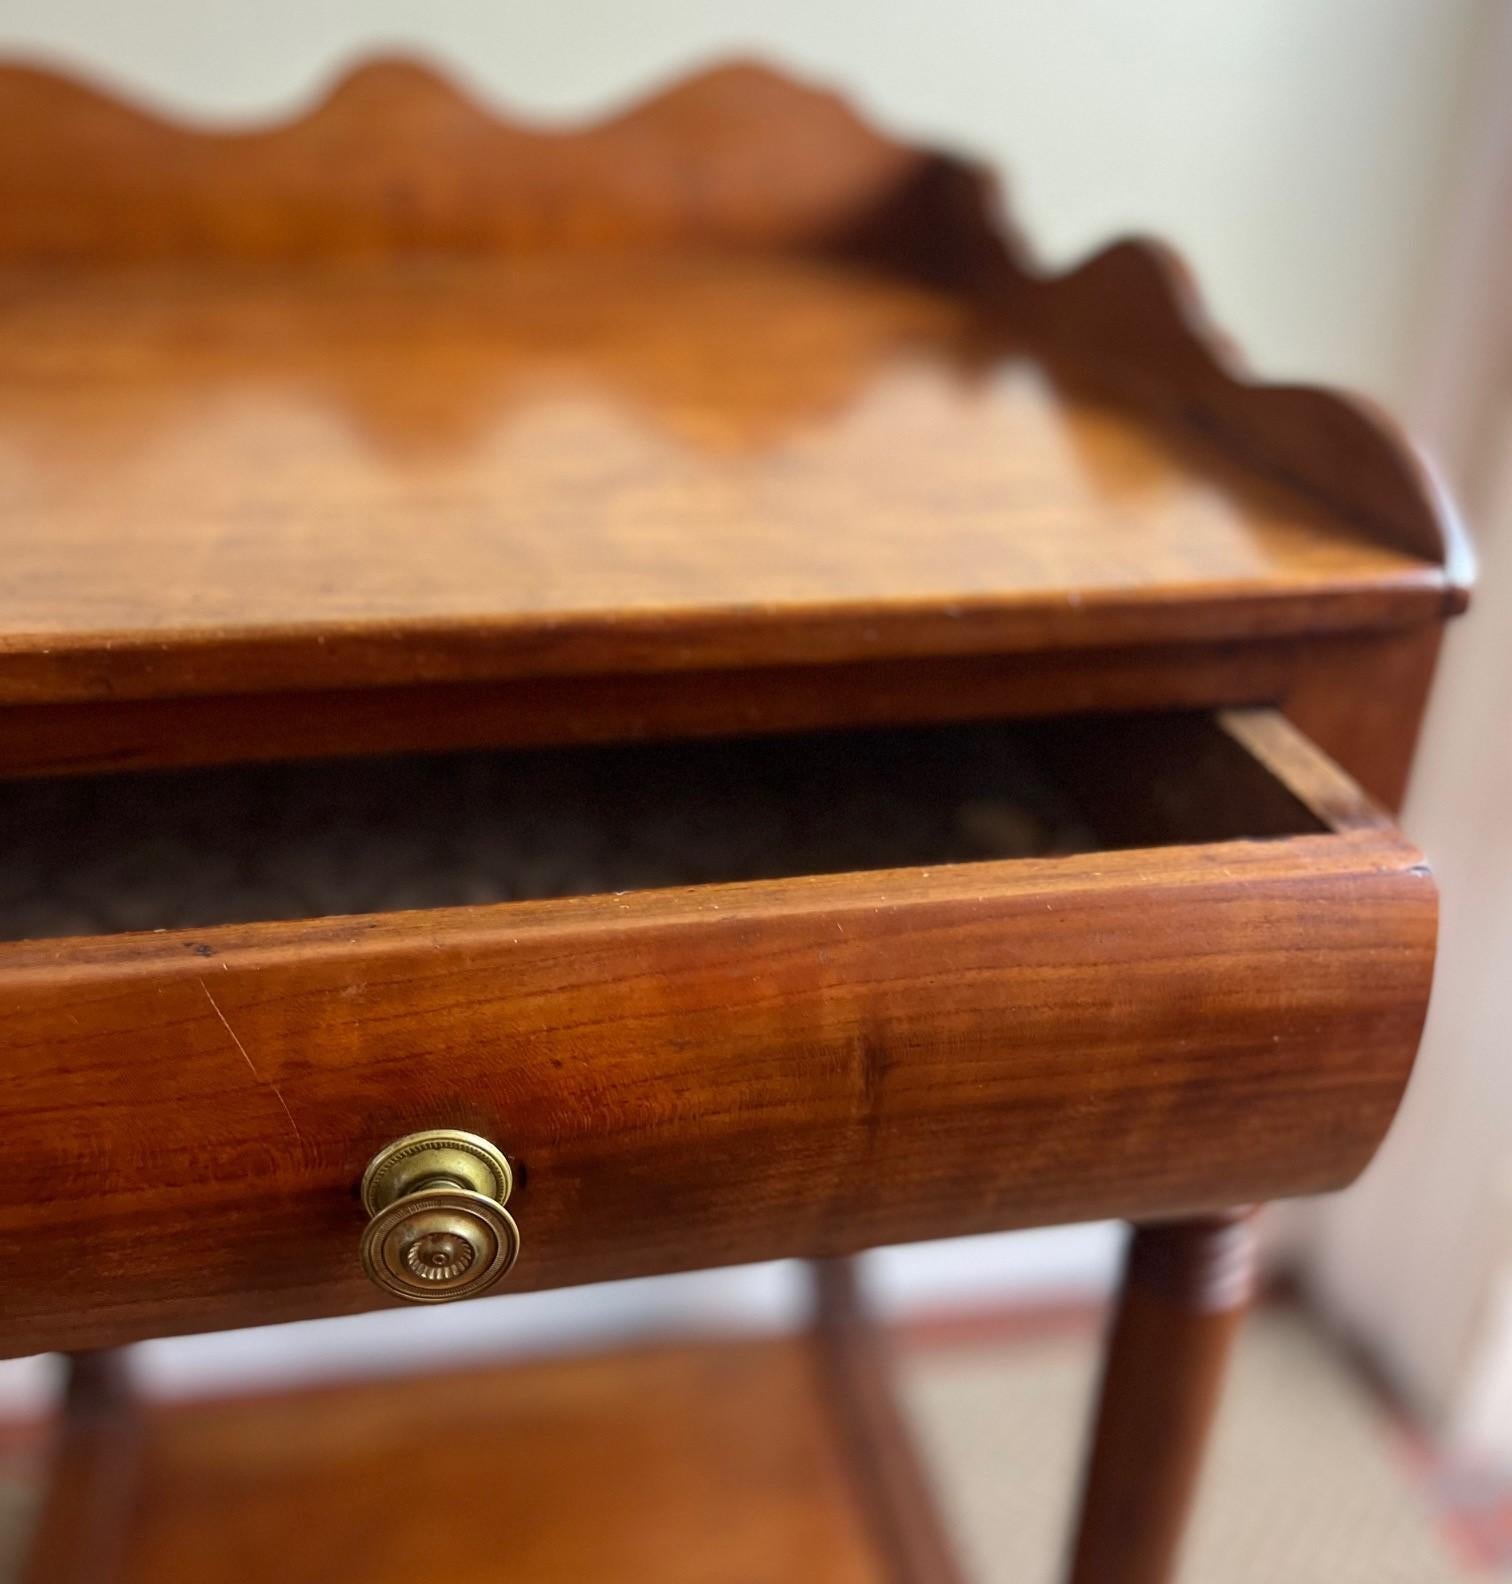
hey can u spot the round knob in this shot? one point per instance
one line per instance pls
(438, 1227)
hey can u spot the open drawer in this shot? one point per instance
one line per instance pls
(717, 1002)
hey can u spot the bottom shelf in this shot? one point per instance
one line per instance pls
(705, 1462)
(716, 1462)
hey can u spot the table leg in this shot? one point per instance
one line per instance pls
(891, 1476)
(86, 1508)
(1185, 1288)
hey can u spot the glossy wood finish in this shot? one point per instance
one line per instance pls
(1333, 685)
(1186, 1286)
(620, 376)
(1362, 701)
(687, 1464)
(869, 1059)
(457, 470)
(1129, 321)
(396, 159)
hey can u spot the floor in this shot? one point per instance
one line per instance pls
(1311, 1481)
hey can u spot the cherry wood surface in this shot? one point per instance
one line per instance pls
(707, 1460)
(1363, 700)
(1359, 696)
(691, 1464)
(666, 395)
(713, 1075)
(396, 158)
(455, 470)
(1185, 1289)
(138, 734)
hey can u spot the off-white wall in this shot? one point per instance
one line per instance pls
(1418, 1260)
(1296, 150)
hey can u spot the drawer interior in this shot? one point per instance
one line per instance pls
(190, 849)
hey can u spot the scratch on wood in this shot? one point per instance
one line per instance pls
(277, 1092)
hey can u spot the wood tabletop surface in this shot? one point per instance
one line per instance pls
(401, 392)
(557, 463)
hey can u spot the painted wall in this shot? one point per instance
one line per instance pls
(1417, 1260)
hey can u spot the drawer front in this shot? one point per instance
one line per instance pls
(706, 1076)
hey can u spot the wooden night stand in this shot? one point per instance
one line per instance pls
(588, 704)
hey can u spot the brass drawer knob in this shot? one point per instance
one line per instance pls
(438, 1228)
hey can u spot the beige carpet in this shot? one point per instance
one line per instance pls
(1308, 1482)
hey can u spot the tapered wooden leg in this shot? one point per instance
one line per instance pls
(86, 1511)
(889, 1473)
(1185, 1289)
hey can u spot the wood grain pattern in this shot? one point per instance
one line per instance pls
(1286, 758)
(1130, 321)
(449, 471)
(399, 426)
(1343, 688)
(683, 1464)
(867, 1059)
(677, 393)
(1362, 700)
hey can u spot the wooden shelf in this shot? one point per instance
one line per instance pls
(697, 1462)
(689, 1465)
(731, 1461)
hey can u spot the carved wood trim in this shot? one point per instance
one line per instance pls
(395, 158)
(1130, 322)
